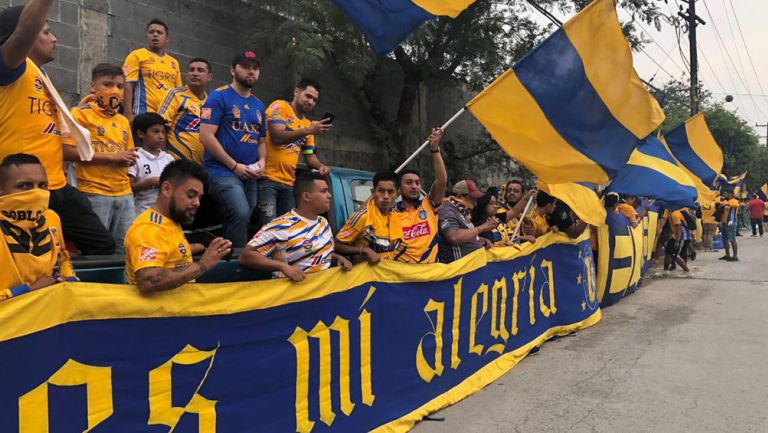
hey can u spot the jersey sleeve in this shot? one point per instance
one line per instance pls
(448, 222)
(213, 110)
(352, 229)
(132, 67)
(308, 145)
(77, 114)
(170, 107)
(277, 114)
(9, 75)
(179, 81)
(147, 247)
(265, 241)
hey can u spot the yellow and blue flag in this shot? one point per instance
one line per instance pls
(386, 23)
(694, 146)
(653, 172)
(573, 109)
(706, 195)
(581, 198)
(763, 192)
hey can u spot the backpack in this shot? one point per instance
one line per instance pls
(690, 220)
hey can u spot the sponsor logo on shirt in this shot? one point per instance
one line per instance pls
(205, 113)
(182, 249)
(194, 125)
(100, 131)
(38, 85)
(423, 215)
(416, 231)
(51, 129)
(125, 136)
(161, 86)
(236, 112)
(307, 245)
(147, 254)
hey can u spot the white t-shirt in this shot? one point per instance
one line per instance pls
(147, 166)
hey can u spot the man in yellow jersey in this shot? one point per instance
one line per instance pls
(299, 242)
(375, 232)
(104, 180)
(157, 255)
(419, 215)
(729, 223)
(709, 225)
(32, 253)
(181, 109)
(150, 72)
(628, 208)
(289, 133)
(29, 119)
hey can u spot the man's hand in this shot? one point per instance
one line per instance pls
(486, 243)
(293, 273)
(242, 171)
(217, 250)
(530, 194)
(126, 158)
(318, 127)
(343, 263)
(45, 282)
(488, 225)
(370, 256)
(434, 138)
(323, 170)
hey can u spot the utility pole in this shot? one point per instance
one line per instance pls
(757, 125)
(693, 20)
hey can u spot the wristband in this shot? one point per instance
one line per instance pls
(435, 150)
(19, 290)
(236, 164)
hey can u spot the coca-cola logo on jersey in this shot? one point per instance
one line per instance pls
(417, 231)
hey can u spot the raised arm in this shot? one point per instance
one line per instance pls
(437, 192)
(19, 45)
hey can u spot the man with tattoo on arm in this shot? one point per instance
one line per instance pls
(158, 256)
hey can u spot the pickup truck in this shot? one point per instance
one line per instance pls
(350, 190)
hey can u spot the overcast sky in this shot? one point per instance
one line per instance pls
(721, 75)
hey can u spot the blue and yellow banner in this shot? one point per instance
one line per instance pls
(386, 23)
(694, 146)
(375, 349)
(763, 192)
(573, 109)
(654, 173)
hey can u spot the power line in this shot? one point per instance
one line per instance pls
(746, 47)
(711, 69)
(733, 37)
(666, 52)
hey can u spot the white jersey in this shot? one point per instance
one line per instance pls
(148, 166)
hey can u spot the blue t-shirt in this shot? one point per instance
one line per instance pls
(241, 122)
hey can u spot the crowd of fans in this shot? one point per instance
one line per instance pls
(161, 148)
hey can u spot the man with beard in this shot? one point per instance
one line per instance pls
(32, 253)
(419, 216)
(233, 133)
(30, 121)
(158, 256)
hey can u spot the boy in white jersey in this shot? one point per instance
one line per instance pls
(299, 242)
(152, 159)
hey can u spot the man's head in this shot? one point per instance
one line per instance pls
(311, 193)
(181, 186)
(545, 203)
(246, 68)
(305, 95)
(728, 194)
(611, 200)
(44, 47)
(157, 35)
(150, 128)
(514, 191)
(384, 191)
(410, 185)
(467, 190)
(199, 73)
(21, 172)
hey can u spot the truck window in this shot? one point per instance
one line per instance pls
(361, 191)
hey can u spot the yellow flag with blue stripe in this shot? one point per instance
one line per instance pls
(581, 198)
(694, 146)
(573, 109)
(763, 192)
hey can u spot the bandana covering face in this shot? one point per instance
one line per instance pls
(106, 102)
(462, 205)
(30, 242)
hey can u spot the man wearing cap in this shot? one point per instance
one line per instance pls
(457, 236)
(233, 134)
(29, 120)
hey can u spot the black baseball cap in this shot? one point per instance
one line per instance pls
(245, 56)
(9, 19)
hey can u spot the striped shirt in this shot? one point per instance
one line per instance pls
(303, 243)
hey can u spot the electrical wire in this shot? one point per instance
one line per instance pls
(746, 48)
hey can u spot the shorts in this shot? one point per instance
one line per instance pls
(683, 251)
(729, 232)
(670, 248)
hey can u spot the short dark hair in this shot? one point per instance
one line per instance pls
(15, 160)
(106, 70)
(305, 182)
(478, 211)
(144, 121)
(386, 176)
(543, 199)
(308, 82)
(200, 60)
(159, 22)
(182, 169)
(409, 171)
(611, 200)
(517, 181)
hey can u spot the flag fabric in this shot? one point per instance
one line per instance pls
(581, 198)
(706, 195)
(763, 192)
(694, 146)
(654, 173)
(386, 23)
(573, 109)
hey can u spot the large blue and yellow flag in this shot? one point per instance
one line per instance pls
(763, 192)
(574, 108)
(653, 172)
(694, 146)
(386, 23)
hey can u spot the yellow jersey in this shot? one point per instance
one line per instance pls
(675, 219)
(540, 225)
(420, 230)
(28, 119)
(368, 227)
(155, 241)
(181, 109)
(153, 75)
(282, 158)
(111, 134)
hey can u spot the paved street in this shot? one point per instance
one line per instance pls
(680, 355)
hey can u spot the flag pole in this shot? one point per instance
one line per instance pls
(527, 209)
(426, 143)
